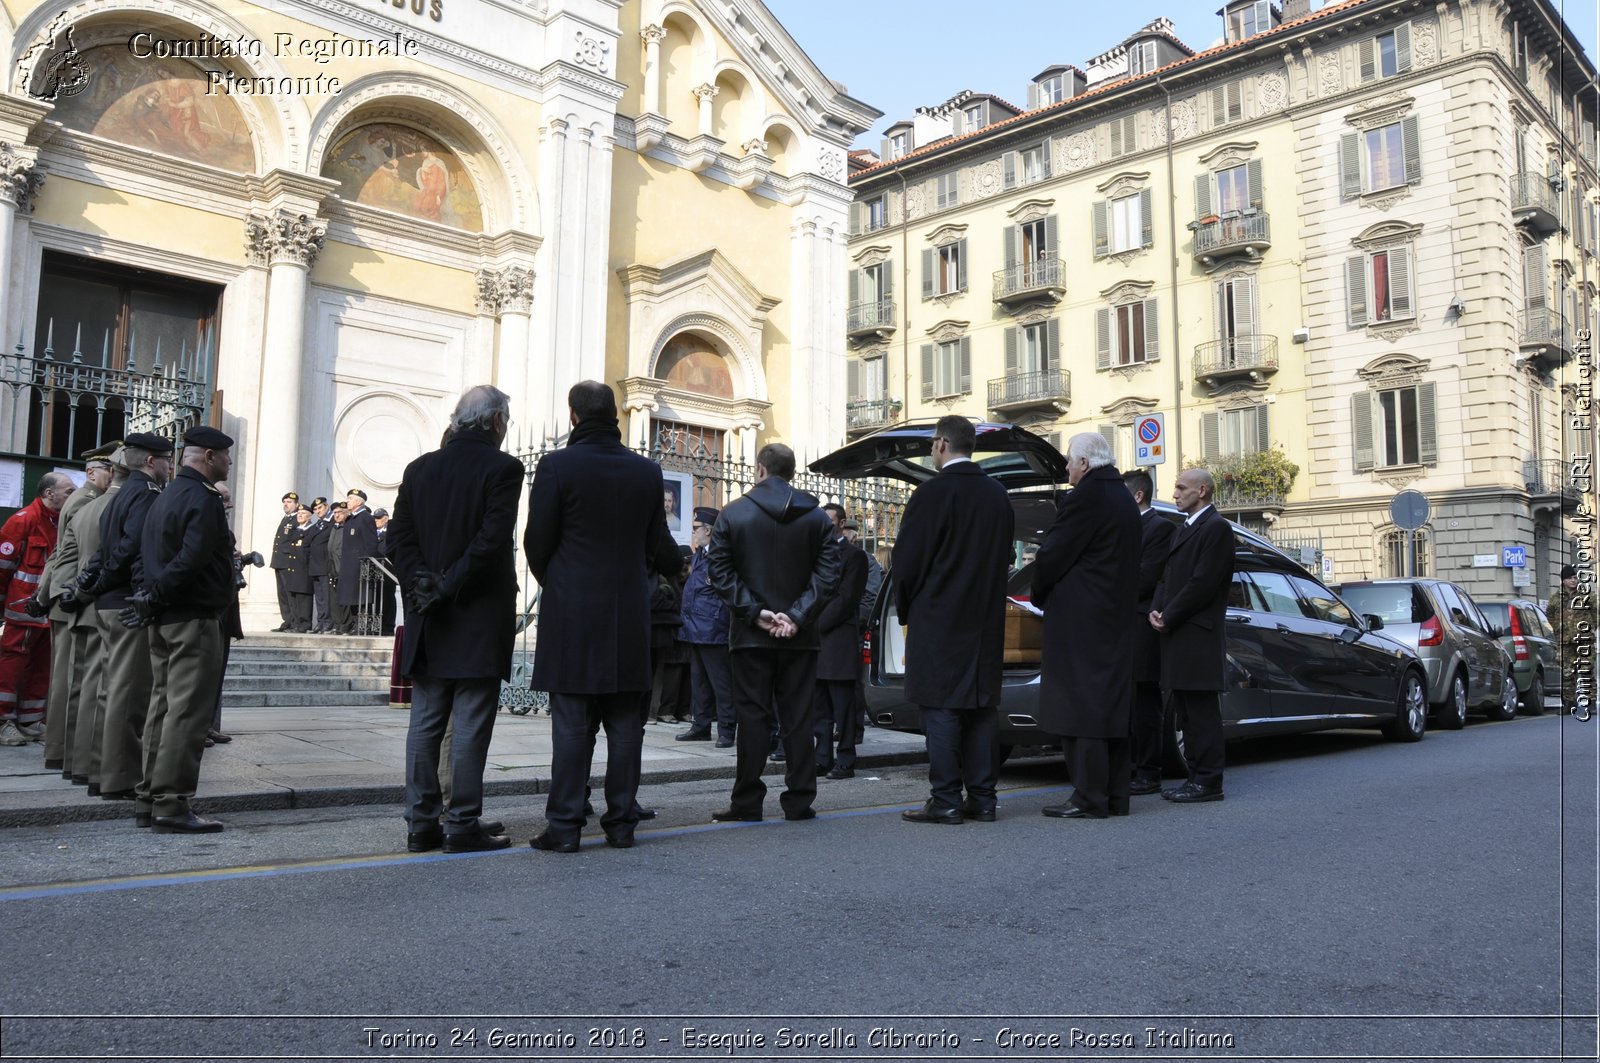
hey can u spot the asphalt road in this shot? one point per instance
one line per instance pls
(1350, 898)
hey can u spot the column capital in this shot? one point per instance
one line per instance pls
(489, 292)
(652, 34)
(20, 177)
(704, 93)
(514, 290)
(283, 237)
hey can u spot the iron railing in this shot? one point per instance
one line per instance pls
(1027, 278)
(377, 605)
(1532, 191)
(870, 413)
(1230, 499)
(1238, 354)
(1020, 389)
(1227, 234)
(1542, 476)
(875, 314)
(1545, 325)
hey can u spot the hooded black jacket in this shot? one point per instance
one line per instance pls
(773, 548)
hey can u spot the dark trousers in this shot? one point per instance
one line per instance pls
(711, 689)
(963, 748)
(343, 615)
(285, 607)
(836, 712)
(574, 721)
(1099, 771)
(762, 679)
(1198, 714)
(468, 707)
(299, 612)
(222, 674)
(320, 617)
(386, 612)
(1148, 727)
(185, 657)
(670, 694)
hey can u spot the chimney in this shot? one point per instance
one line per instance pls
(1293, 9)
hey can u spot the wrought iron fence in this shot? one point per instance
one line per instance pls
(376, 606)
(1532, 191)
(1043, 385)
(870, 315)
(1246, 352)
(1226, 233)
(1040, 274)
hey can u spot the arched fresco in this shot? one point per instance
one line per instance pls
(691, 362)
(395, 167)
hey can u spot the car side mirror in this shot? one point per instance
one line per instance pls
(1374, 621)
(1350, 634)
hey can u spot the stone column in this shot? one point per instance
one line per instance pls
(480, 368)
(652, 37)
(705, 94)
(514, 375)
(636, 424)
(19, 184)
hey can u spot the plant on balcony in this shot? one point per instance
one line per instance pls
(1260, 474)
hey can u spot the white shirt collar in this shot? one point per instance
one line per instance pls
(1196, 515)
(952, 461)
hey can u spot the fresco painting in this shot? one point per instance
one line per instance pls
(689, 362)
(395, 167)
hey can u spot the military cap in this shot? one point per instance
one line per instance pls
(319, 501)
(119, 458)
(206, 438)
(357, 492)
(379, 514)
(149, 441)
(290, 497)
(103, 451)
(1568, 572)
(685, 552)
(338, 505)
(705, 515)
(303, 506)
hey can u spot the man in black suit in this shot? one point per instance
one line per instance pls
(950, 566)
(1188, 613)
(839, 658)
(774, 560)
(360, 541)
(1148, 718)
(317, 548)
(280, 559)
(596, 541)
(1085, 579)
(453, 540)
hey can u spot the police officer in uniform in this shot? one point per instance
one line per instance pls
(280, 559)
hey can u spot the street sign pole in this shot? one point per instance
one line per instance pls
(1409, 511)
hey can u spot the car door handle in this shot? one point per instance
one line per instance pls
(1286, 629)
(1238, 618)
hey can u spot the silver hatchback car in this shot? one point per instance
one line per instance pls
(1465, 662)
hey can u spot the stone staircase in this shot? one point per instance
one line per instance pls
(274, 670)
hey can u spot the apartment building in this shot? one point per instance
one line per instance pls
(1345, 253)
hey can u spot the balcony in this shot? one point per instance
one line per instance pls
(1552, 485)
(1534, 203)
(870, 320)
(1252, 358)
(1231, 501)
(1020, 391)
(1546, 337)
(863, 415)
(1248, 233)
(1026, 281)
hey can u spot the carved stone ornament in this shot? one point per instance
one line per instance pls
(948, 299)
(1158, 125)
(946, 234)
(756, 146)
(949, 331)
(1385, 110)
(986, 180)
(704, 93)
(488, 292)
(1127, 291)
(1030, 210)
(1123, 258)
(284, 237)
(1128, 372)
(1328, 68)
(1393, 333)
(830, 164)
(1125, 183)
(916, 200)
(1272, 92)
(1402, 481)
(1128, 410)
(1386, 234)
(1036, 314)
(1077, 152)
(871, 256)
(1385, 199)
(516, 290)
(591, 51)
(1185, 120)
(1393, 371)
(19, 179)
(1424, 43)
(1232, 153)
(652, 34)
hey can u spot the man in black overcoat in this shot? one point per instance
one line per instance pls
(1148, 706)
(360, 541)
(317, 546)
(1188, 613)
(596, 541)
(297, 576)
(453, 541)
(839, 658)
(280, 558)
(773, 559)
(950, 567)
(1085, 578)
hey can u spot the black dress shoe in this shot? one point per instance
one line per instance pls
(801, 813)
(80, 780)
(823, 769)
(1192, 793)
(141, 819)
(931, 813)
(475, 842)
(620, 839)
(53, 763)
(545, 843)
(1140, 787)
(219, 738)
(424, 841)
(972, 810)
(724, 743)
(646, 813)
(841, 773)
(778, 755)
(115, 795)
(734, 815)
(487, 826)
(188, 823)
(696, 735)
(1070, 811)
(94, 791)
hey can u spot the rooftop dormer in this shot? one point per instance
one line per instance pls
(1149, 48)
(1246, 18)
(1054, 84)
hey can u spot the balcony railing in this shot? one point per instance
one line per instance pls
(1229, 499)
(1547, 477)
(1255, 357)
(862, 414)
(1247, 234)
(1545, 334)
(1040, 388)
(876, 316)
(1534, 202)
(1029, 280)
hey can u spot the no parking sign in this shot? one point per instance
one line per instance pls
(1150, 440)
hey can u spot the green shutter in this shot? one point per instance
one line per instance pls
(1402, 47)
(1427, 425)
(1152, 331)
(1400, 283)
(1413, 149)
(1102, 229)
(1011, 351)
(965, 385)
(1147, 231)
(1202, 196)
(928, 290)
(1210, 437)
(1369, 59)
(1252, 171)
(927, 372)
(1350, 165)
(1361, 431)
(1102, 338)
(1355, 289)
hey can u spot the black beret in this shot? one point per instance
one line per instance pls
(290, 497)
(319, 501)
(206, 438)
(339, 505)
(379, 514)
(1568, 572)
(357, 492)
(149, 441)
(705, 515)
(685, 552)
(103, 451)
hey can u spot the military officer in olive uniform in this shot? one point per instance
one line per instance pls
(280, 559)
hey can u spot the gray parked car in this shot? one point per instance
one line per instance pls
(1466, 664)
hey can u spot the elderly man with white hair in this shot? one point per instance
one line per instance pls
(1086, 579)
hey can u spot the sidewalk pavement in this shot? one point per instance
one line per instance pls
(317, 757)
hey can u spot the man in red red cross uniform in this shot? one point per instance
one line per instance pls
(26, 542)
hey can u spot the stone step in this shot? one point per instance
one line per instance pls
(310, 657)
(311, 682)
(299, 699)
(285, 640)
(273, 668)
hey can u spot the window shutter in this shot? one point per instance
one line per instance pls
(1235, 100)
(1222, 313)
(1210, 437)
(1219, 111)
(1045, 151)
(1361, 430)
(966, 366)
(1052, 344)
(1011, 162)
(1413, 149)
(1202, 196)
(886, 281)
(1263, 432)
(1108, 432)
(852, 380)
(1102, 229)
(1369, 59)
(1102, 338)
(858, 217)
(1116, 137)
(927, 372)
(1350, 165)
(1400, 283)
(927, 273)
(1244, 308)
(855, 286)
(1536, 295)
(1355, 289)
(1427, 426)
(1052, 243)
(1152, 331)
(1252, 171)
(1034, 96)
(1011, 352)
(961, 265)
(1147, 230)
(1402, 47)
(1013, 241)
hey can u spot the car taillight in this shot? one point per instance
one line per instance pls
(866, 647)
(1432, 633)
(1519, 643)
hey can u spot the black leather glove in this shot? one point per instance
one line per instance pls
(141, 611)
(69, 600)
(35, 608)
(424, 593)
(89, 581)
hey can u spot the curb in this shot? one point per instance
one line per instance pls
(283, 798)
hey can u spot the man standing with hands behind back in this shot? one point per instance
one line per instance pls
(950, 566)
(1188, 614)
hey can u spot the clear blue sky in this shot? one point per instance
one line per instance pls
(898, 55)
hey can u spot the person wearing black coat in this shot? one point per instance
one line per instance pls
(1085, 578)
(360, 535)
(317, 548)
(774, 560)
(950, 566)
(280, 557)
(1188, 613)
(705, 632)
(597, 538)
(297, 578)
(453, 540)
(839, 659)
(1155, 542)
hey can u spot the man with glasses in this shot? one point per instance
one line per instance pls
(950, 566)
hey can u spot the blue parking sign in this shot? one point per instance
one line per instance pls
(1514, 557)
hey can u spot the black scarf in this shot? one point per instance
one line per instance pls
(595, 430)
